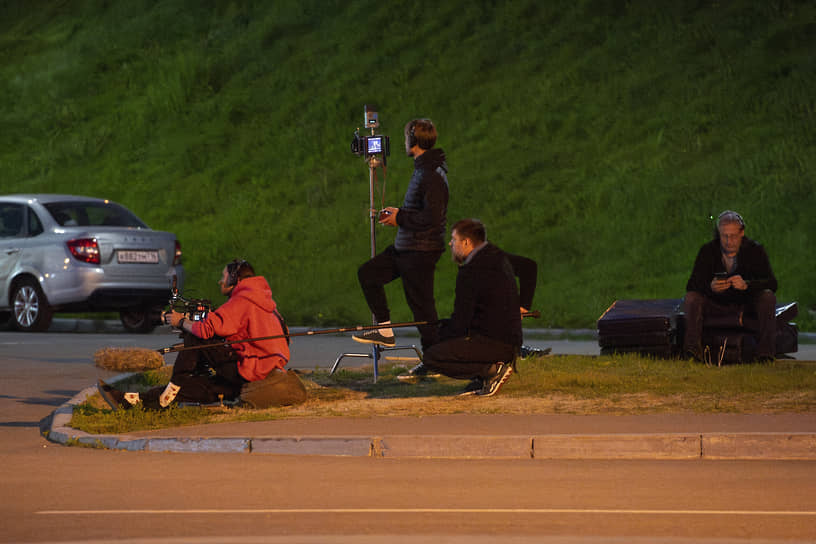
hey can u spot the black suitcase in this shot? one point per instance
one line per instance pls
(649, 327)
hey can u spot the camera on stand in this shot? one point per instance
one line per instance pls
(373, 145)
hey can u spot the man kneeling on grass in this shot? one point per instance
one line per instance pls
(483, 335)
(207, 375)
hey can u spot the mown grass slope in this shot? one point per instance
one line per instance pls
(597, 136)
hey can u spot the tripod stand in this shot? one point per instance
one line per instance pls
(376, 350)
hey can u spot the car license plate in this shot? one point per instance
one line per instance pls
(131, 256)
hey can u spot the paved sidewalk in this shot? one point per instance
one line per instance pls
(663, 436)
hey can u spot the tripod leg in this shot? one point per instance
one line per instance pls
(375, 355)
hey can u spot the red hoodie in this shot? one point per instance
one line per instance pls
(249, 314)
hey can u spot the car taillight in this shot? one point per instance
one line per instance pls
(177, 257)
(85, 250)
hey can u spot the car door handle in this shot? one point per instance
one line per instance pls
(12, 250)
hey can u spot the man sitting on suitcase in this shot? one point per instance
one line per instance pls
(732, 276)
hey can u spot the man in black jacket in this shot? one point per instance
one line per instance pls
(419, 243)
(482, 337)
(732, 275)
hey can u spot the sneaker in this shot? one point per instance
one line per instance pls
(527, 351)
(475, 385)
(374, 337)
(114, 397)
(492, 386)
(418, 372)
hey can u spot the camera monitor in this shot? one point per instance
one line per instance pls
(374, 145)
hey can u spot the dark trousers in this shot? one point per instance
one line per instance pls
(468, 357)
(697, 307)
(417, 269)
(202, 374)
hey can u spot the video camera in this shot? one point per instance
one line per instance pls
(375, 145)
(194, 309)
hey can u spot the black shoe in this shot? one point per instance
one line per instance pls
(694, 354)
(527, 351)
(475, 385)
(418, 372)
(374, 337)
(114, 397)
(492, 386)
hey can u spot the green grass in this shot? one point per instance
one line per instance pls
(597, 137)
(626, 384)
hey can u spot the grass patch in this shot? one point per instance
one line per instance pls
(570, 384)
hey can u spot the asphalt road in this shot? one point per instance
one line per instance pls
(53, 493)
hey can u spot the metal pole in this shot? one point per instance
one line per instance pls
(372, 165)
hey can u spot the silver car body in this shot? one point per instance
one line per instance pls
(136, 264)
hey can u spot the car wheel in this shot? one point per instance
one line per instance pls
(30, 311)
(142, 320)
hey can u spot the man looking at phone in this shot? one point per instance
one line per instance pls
(419, 243)
(731, 274)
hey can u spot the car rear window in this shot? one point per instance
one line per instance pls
(94, 214)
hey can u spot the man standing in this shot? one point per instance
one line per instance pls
(481, 339)
(732, 274)
(419, 243)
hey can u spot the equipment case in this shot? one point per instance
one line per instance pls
(652, 327)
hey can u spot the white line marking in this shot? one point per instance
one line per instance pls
(434, 511)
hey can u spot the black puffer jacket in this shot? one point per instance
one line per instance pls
(423, 214)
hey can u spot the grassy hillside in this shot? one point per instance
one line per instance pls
(596, 136)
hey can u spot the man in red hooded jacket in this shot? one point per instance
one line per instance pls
(207, 374)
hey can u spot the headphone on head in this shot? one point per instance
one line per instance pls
(412, 141)
(734, 217)
(232, 271)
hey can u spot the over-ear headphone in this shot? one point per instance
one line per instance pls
(732, 217)
(232, 271)
(412, 141)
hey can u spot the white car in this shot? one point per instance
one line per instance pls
(61, 253)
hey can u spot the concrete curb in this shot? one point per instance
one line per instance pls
(612, 446)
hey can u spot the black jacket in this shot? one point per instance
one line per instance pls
(752, 264)
(487, 300)
(423, 214)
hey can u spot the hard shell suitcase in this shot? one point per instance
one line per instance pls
(650, 327)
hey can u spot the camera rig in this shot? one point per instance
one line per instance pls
(194, 309)
(374, 147)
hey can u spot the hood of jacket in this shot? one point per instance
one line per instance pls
(432, 159)
(256, 290)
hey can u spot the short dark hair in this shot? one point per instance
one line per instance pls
(421, 132)
(472, 229)
(237, 270)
